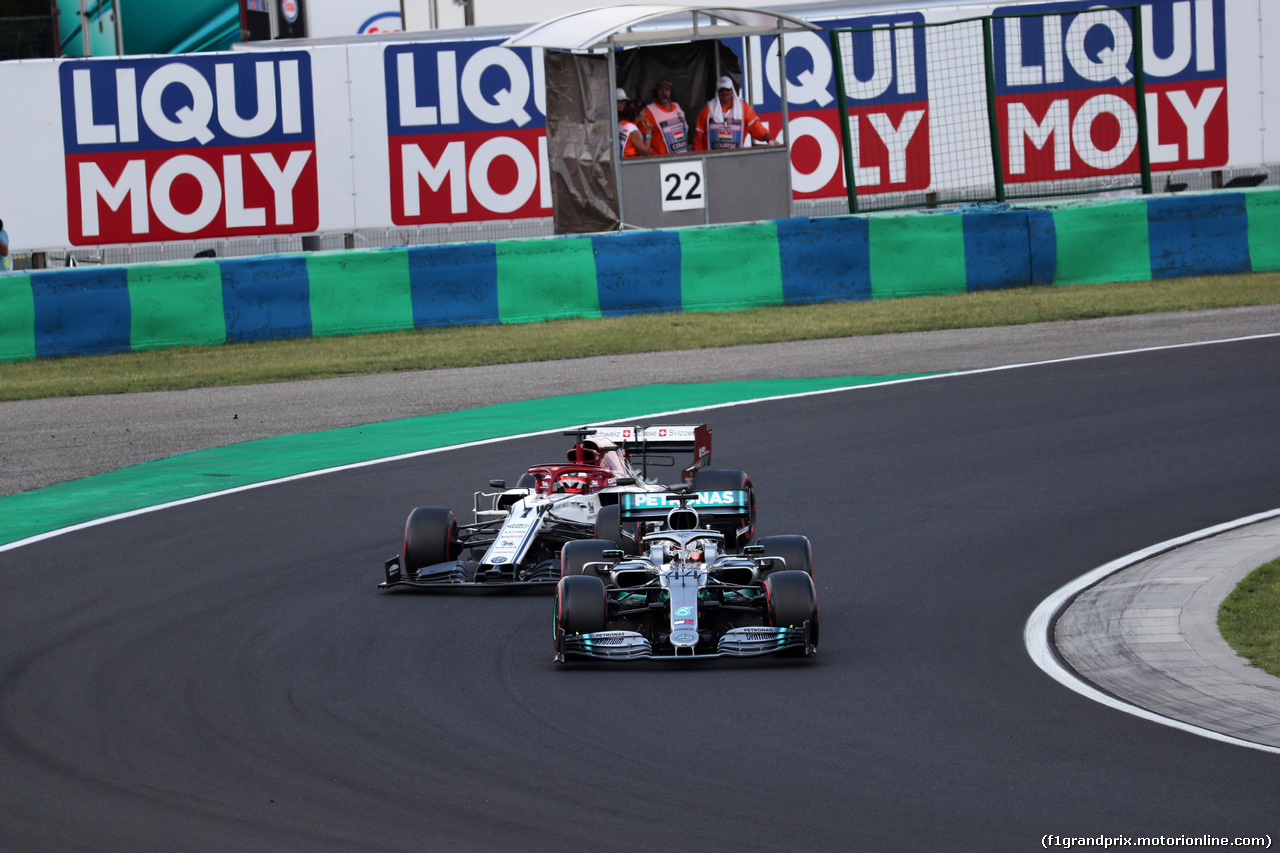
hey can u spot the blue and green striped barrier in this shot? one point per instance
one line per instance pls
(85, 311)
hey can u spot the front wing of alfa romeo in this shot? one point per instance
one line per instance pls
(447, 576)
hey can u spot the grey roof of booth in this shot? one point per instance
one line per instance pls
(597, 28)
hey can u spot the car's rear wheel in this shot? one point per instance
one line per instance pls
(575, 556)
(430, 537)
(581, 607)
(610, 528)
(738, 532)
(796, 552)
(793, 600)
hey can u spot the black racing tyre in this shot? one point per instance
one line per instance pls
(727, 479)
(609, 527)
(581, 607)
(794, 550)
(575, 556)
(430, 537)
(793, 600)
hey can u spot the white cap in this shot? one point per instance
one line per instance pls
(724, 83)
(622, 94)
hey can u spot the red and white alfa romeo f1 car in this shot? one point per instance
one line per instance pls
(517, 533)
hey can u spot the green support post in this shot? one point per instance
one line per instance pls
(1140, 93)
(993, 121)
(842, 100)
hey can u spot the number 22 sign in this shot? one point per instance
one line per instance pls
(683, 185)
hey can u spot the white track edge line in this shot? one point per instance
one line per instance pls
(1040, 624)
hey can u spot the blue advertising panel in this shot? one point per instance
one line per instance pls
(188, 148)
(466, 132)
(1065, 87)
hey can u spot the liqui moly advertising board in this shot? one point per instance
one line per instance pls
(296, 140)
(466, 125)
(1065, 92)
(160, 149)
(888, 98)
(1064, 83)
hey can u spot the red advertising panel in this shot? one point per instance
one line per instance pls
(1065, 93)
(888, 94)
(466, 134)
(192, 148)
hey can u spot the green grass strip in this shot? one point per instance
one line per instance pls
(1249, 618)
(727, 269)
(546, 280)
(1099, 244)
(916, 256)
(202, 472)
(172, 304)
(18, 310)
(359, 292)
(1264, 230)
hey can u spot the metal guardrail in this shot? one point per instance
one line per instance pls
(238, 247)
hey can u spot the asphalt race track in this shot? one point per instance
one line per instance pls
(224, 675)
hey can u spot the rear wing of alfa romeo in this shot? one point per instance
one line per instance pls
(655, 445)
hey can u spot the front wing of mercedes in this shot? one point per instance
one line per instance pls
(736, 642)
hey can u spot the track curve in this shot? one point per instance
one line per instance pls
(222, 675)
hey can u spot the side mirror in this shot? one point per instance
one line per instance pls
(498, 484)
(625, 481)
(753, 550)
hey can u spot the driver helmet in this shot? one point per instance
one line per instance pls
(690, 553)
(573, 485)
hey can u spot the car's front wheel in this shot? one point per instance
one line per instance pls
(430, 537)
(793, 600)
(581, 607)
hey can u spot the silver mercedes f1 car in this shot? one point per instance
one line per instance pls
(682, 594)
(517, 535)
